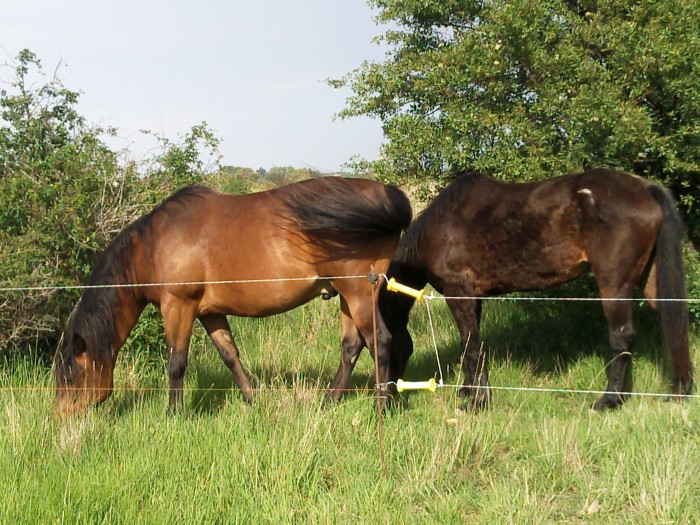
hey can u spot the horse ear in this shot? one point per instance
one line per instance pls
(78, 344)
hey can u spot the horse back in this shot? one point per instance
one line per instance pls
(218, 237)
(264, 238)
(502, 237)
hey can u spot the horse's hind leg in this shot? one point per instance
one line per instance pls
(359, 307)
(621, 335)
(219, 331)
(351, 346)
(178, 318)
(619, 261)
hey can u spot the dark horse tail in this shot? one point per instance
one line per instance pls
(670, 284)
(343, 209)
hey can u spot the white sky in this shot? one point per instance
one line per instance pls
(254, 70)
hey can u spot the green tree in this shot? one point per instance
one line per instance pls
(281, 175)
(61, 200)
(188, 160)
(64, 196)
(525, 89)
(238, 180)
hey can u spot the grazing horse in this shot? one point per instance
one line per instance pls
(294, 243)
(481, 237)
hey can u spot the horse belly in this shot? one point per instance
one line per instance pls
(548, 267)
(258, 299)
(526, 278)
(487, 265)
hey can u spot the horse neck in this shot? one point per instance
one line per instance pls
(103, 318)
(395, 307)
(125, 319)
(119, 303)
(407, 273)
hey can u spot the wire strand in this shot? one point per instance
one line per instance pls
(538, 389)
(268, 388)
(571, 391)
(430, 297)
(433, 297)
(432, 333)
(183, 283)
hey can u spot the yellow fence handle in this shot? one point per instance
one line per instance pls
(402, 385)
(393, 286)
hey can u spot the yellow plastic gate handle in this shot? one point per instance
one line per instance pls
(402, 386)
(393, 286)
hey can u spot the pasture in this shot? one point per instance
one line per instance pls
(288, 458)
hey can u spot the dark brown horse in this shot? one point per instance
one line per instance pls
(481, 237)
(296, 243)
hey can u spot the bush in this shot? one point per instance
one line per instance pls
(65, 196)
(693, 270)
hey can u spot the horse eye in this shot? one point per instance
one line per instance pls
(78, 345)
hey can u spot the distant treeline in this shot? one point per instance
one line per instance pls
(236, 179)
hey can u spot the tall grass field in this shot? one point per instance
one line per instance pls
(532, 457)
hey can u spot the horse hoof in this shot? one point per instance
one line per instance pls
(468, 391)
(330, 398)
(607, 403)
(248, 397)
(476, 404)
(174, 411)
(683, 387)
(679, 395)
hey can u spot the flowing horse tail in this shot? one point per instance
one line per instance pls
(670, 284)
(344, 209)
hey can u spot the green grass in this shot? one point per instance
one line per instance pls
(530, 458)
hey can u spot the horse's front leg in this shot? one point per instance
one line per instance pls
(467, 314)
(178, 317)
(350, 348)
(401, 351)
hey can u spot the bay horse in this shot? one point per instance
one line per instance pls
(294, 243)
(482, 237)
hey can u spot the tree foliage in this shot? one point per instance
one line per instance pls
(61, 198)
(65, 196)
(526, 89)
(188, 160)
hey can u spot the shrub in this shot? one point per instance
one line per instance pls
(65, 196)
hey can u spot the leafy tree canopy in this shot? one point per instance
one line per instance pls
(526, 89)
